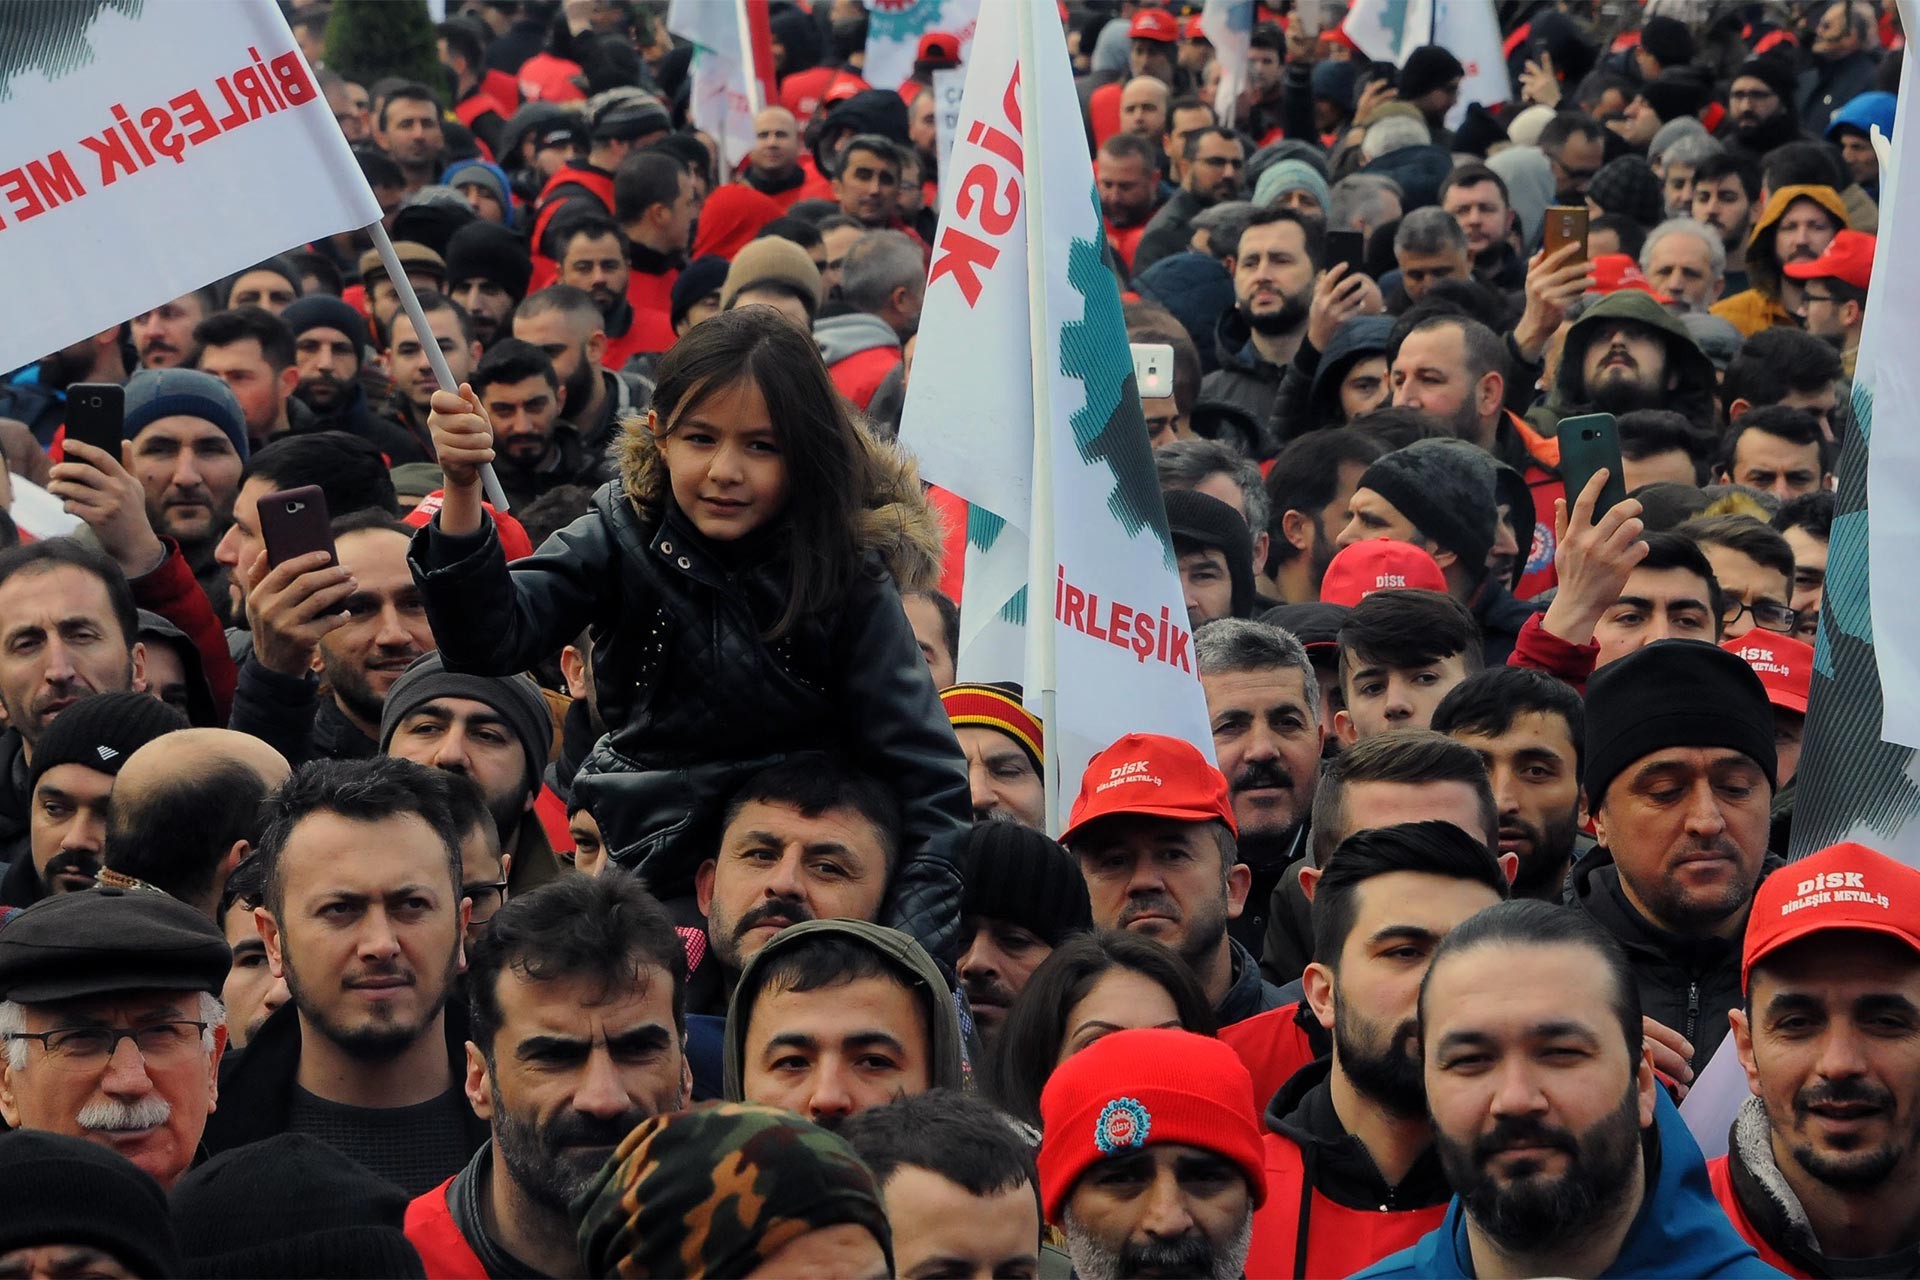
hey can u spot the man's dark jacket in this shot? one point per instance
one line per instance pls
(1170, 230)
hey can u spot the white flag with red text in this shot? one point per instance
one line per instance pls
(150, 149)
(1389, 30)
(728, 78)
(1111, 594)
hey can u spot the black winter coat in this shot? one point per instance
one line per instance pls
(694, 699)
(1685, 983)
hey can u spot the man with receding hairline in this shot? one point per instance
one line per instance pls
(185, 811)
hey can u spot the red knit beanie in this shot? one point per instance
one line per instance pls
(1141, 1088)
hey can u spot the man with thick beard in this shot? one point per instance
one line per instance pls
(1529, 729)
(1627, 352)
(1263, 702)
(363, 918)
(578, 997)
(1566, 1155)
(1821, 1163)
(1348, 1135)
(1273, 265)
(1308, 490)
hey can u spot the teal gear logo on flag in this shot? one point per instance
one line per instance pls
(983, 531)
(902, 20)
(52, 38)
(1109, 429)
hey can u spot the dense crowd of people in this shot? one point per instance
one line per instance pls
(626, 883)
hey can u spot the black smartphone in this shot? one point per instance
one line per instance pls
(95, 411)
(1588, 443)
(294, 522)
(1349, 247)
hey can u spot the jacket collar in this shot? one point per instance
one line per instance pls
(1337, 1164)
(1247, 993)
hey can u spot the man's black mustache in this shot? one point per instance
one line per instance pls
(1261, 773)
(1522, 1131)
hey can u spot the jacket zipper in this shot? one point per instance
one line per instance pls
(1693, 1009)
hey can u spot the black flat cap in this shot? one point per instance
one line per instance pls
(101, 941)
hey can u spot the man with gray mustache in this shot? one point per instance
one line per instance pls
(111, 1023)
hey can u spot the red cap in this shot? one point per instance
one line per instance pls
(1194, 30)
(1844, 886)
(1613, 272)
(1150, 1086)
(1154, 24)
(1379, 564)
(1848, 259)
(1154, 776)
(1784, 665)
(938, 48)
(515, 542)
(843, 86)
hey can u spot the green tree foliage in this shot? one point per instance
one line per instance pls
(369, 40)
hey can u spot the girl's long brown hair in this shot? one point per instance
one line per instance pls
(831, 468)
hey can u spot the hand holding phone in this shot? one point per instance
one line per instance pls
(1565, 224)
(1588, 444)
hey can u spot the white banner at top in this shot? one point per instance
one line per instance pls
(149, 152)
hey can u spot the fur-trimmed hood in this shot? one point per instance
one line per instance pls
(896, 523)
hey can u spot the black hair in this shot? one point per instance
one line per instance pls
(605, 928)
(1123, 146)
(1306, 476)
(1487, 703)
(176, 834)
(379, 168)
(322, 267)
(817, 782)
(1803, 164)
(584, 222)
(1395, 426)
(949, 619)
(246, 886)
(224, 328)
(1665, 506)
(511, 360)
(1268, 36)
(644, 179)
(1486, 351)
(1035, 1028)
(1187, 102)
(1313, 231)
(1198, 136)
(1795, 426)
(832, 467)
(9, 531)
(351, 473)
(407, 91)
(1472, 174)
(370, 790)
(554, 510)
(464, 42)
(798, 230)
(1632, 235)
(1527, 923)
(1648, 433)
(1810, 511)
(1750, 537)
(1408, 629)
(1730, 163)
(1412, 756)
(1565, 124)
(956, 1135)
(1669, 549)
(55, 553)
(1777, 362)
(279, 266)
(432, 300)
(1434, 848)
(1151, 322)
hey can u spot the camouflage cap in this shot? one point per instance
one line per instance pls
(718, 1190)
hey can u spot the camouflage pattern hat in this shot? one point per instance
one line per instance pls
(718, 1190)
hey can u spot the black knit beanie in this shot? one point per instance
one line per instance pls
(696, 280)
(290, 1205)
(324, 311)
(1674, 693)
(488, 251)
(101, 732)
(1674, 94)
(1446, 487)
(1777, 73)
(1198, 519)
(517, 698)
(64, 1190)
(1629, 186)
(1015, 873)
(1668, 40)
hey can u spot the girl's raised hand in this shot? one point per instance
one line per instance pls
(462, 436)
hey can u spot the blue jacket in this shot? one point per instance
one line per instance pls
(1681, 1229)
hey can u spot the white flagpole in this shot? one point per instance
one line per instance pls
(1040, 554)
(746, 58)
(442, 374)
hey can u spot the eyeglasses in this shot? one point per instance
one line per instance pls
(487, 895)
(1767, 615)
(1572, 175)
(92, 1046)
(1818, 297)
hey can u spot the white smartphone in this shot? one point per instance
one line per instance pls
(1153, 369)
